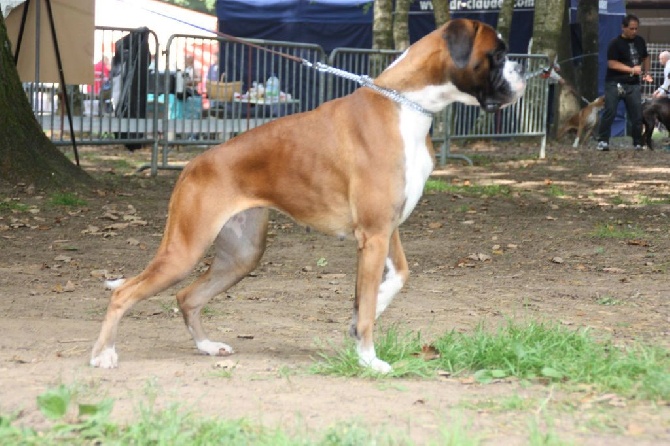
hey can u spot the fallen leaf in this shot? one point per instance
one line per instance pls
(635, 429)
(614, 270)
(226, 364)
(480, 257)
(99, 273)
(427, 353)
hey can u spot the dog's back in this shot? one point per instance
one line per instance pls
(656, 110)
(583, 122)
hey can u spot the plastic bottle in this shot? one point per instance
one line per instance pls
(272, 87)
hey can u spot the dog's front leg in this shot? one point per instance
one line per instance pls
(372, 252)
(395, 276)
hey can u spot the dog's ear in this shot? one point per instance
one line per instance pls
(460, 37)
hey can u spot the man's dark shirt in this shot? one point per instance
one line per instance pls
(630, 52)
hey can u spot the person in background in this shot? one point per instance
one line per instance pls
(101, 72)
(627, 63)
(664, 89)
(213, 70)
(192, 75)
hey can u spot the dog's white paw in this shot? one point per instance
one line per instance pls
(107, 359)
(376, 365)
(368, 358)
(214, 348)
(113, 284)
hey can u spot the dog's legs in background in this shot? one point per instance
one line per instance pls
(373, 249)
(238, 249)
(395, 276)
(589, 132)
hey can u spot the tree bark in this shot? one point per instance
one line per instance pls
(547, 27)
(26, 154)
(401, 24)
(382, 26)
(587, 17)
(441, 11)
(505, 19)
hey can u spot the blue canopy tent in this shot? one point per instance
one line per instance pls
(610, 14)
(348, 23)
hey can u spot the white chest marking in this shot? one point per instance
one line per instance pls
(418, 162)
(592, 117)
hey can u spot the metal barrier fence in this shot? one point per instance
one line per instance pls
(111, 110)
(656, 70)
(205, 107)
(183, 95)
(526, 118)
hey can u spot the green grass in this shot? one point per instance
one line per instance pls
(534, 351)
(67, 199)
(9, 205)
(555, 191)
(617, 231)
(75, 423)
(491, 190)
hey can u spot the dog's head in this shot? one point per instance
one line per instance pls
(479, 64)
(462, 61)
(599, 102)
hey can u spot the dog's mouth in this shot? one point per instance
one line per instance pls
(492, 106)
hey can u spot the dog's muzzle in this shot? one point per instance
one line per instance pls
(508, 84)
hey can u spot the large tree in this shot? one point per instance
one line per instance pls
(26, 154)
(548, 26)
(505, 19)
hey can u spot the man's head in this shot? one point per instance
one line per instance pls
(629, 26)
(664, 57)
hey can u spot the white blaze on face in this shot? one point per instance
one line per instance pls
(513, 76)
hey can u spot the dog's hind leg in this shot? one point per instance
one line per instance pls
(395, 274)
(167, 268)
(238, 249)
(191, 227)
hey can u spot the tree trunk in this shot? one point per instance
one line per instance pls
(441, 11)
(382, 26)
(26, 154)
(401, 24)
(382, 34)
(587, 17)
(505, 19)
(547, 27)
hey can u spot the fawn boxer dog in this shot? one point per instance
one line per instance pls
(656, 110)
(353, 166)
(584, 121)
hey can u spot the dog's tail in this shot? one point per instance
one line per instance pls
(114, 284)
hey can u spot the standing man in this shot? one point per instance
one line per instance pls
(664, 89)
(627, 64)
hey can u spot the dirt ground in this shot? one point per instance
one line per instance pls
(530, 255)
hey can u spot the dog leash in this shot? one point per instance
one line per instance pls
(362, 80)
(366, 81)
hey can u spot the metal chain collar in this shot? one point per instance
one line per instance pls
(366, 81)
